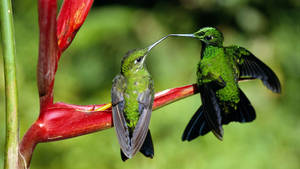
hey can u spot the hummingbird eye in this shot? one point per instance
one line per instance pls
(138, 60)
(208, 38)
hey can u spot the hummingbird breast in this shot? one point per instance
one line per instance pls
(136, 84)
(216, 64)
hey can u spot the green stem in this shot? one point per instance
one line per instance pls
(8, 43)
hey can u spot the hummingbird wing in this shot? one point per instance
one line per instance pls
(140, 131)
(244, 111)
(118, 87)
(197, 126)
(251, 67)
(211, 109)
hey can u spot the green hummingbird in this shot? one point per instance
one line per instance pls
(218, 73)
(132, 97)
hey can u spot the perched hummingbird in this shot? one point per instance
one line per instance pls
(218, 73)
(132, 97)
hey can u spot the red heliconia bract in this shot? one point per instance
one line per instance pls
(59, 121)
(70, 19)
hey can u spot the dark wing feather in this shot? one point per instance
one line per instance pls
(197, 126)
(211, 109)
(251, 67)
(245, 109)
(147, 148)
(123, 156)
(243, 113)
(145, 100)
(117, 98)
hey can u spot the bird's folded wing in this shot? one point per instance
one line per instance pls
(141, 129)
(118, 115)
(211, 109)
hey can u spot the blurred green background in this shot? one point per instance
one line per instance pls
(270, 29)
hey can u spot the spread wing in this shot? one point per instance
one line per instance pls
(251, 67)
(145, 100)
(117, 99)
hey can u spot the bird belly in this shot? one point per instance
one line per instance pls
(135, 86)
(228, 94)
(131, 110)
(218, 67)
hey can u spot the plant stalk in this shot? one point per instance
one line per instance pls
(9, 52)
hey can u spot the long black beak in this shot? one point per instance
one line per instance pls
(184, 35)
(165, 37)
(156, 43)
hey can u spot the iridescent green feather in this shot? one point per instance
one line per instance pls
(215, 64)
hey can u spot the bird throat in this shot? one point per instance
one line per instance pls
(204, 45)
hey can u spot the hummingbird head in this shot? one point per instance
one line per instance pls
(207, 35)
(210, 36)
(134, 60)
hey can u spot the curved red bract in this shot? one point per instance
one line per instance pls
(70, 19)
(61, 120)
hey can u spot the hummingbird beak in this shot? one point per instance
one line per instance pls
(157, 42)
(165, 37)
(153, 45)
(183, 35)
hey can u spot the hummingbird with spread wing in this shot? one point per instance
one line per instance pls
(218, 73)
(132, 97)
